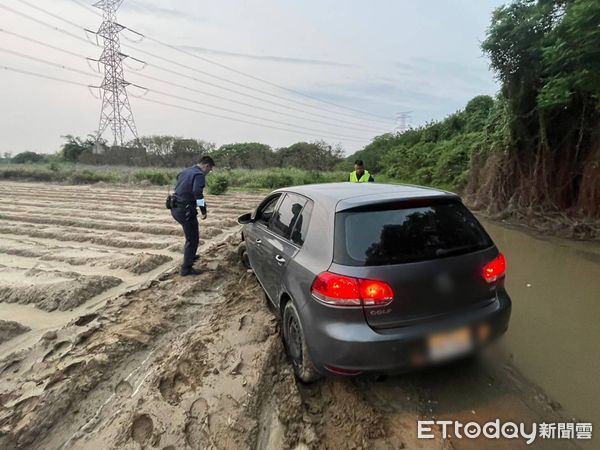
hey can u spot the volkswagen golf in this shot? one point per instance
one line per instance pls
(375, 278)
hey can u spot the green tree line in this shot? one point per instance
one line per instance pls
(537, 144)
(171, 151)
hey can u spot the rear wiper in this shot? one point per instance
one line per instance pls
(450, 251)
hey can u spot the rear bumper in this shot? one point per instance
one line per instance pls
(358, 347)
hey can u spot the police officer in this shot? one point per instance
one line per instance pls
(360, 175)
(187, 197)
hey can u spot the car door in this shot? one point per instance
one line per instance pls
(277, 244)
(255, 234)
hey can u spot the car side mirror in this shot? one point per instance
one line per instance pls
(245, 218)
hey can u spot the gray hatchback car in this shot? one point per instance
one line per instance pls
(375, 278)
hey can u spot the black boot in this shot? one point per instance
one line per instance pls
(186, 271)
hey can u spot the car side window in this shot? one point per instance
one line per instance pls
(301, 227)
(265, 211)
(287, 215)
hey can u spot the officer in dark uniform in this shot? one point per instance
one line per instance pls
(187, 197)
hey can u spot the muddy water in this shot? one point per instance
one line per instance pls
(554, 333)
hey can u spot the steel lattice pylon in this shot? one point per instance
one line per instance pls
(116, 110)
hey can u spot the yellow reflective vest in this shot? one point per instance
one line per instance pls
(364, 179)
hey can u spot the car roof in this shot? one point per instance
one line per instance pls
(340, 196)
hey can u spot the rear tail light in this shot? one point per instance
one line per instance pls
(494, 269)
(339, 290)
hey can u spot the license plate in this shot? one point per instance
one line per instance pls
(450, 344)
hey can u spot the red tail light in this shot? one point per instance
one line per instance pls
(340, 290)
(494, 269)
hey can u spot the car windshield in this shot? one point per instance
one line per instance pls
(393, 234)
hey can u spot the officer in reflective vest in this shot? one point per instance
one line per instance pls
(360, 175)
(187, 197)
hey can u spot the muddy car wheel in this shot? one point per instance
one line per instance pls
(295, 345)
(243, 255)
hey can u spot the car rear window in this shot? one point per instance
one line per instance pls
(400, 233)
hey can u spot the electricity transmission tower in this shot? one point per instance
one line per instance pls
(116, 111)
(402, 121)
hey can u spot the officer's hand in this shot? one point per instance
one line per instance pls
(203, 216)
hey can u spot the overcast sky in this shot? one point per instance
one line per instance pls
(380, 57)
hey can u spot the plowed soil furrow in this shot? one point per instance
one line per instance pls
(115, 191)
(133, 241)
(87, 263)
(79, 212)
(49, 240)
(122, 201)
(148, 210)
(74, 247)
(109, 224)
(96, 224)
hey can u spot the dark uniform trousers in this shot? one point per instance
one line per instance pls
(187, 216)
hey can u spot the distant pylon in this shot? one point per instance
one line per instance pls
(402, 121)
(116, 110)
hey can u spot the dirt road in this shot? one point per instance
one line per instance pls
(115, 350)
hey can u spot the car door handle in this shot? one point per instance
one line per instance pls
(259, 241)
(279, 259)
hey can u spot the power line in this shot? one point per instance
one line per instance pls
(239, 72)
(39, 75)
(44, 61)
(38, 8)
(75, 83)
(45, 44)
(79, 55)
(250, 105)
(46, 24)
(167, 94)
(241, 120)
(355, 125)
(235, 83)
(257, 117)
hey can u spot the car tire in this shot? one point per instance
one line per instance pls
(243, 255)
(295, 345)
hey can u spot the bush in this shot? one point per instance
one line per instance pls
(89, 177)
(157, 177)
(27, 173)
(29, 158)
(218, 184)
(276, 181)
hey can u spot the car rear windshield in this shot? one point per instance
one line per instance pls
(395, 233)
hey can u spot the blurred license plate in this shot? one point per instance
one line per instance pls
(447, 345)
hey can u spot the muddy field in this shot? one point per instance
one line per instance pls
(104, 345)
